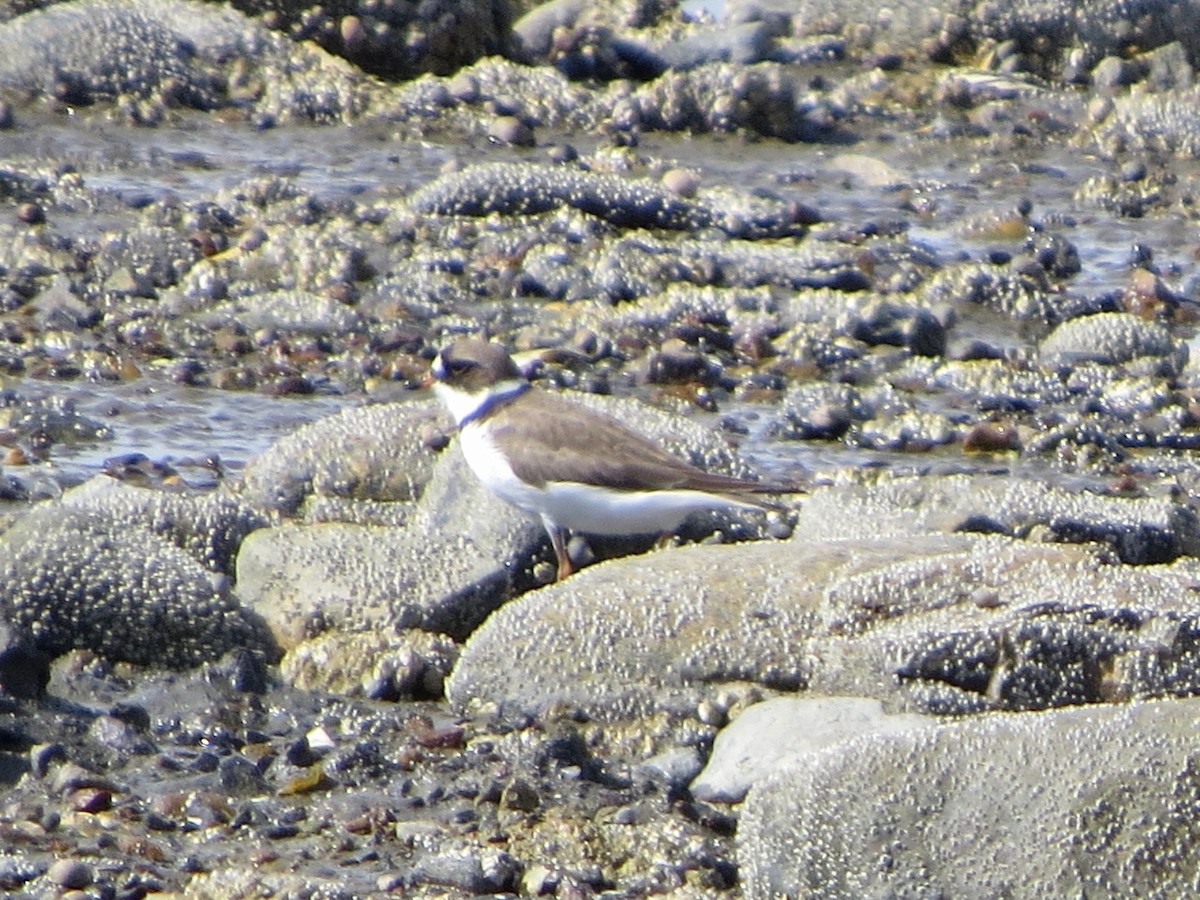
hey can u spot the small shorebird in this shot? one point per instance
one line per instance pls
(576, 469)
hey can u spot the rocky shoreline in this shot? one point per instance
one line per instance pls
(936, 263)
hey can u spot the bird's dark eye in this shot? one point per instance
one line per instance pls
(458, 366)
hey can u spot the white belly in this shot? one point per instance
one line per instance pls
(583, 507)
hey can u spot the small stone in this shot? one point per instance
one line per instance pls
(511, 130)
(1113, 72)
(319, 740)
(990, 437)
(72, 776)
(355, 37)
(675, 767)
(390, 883)
(627, 815)
(462, 872)
(253, 239)
(428, 735)
(110, 731)
(31, 213)
(520, 795)
(90, 800)
(311, 779)
(539, 881)
(157, 822)
(711, 713)
(238, 775)
(70, 873)
(562, 153)
(1134, 170)
(684, 182)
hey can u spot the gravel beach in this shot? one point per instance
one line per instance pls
(263, 634)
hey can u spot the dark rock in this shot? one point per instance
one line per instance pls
(239, 776)
(24, 669)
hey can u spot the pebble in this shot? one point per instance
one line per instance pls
(238, 775)
(90, 800)
(511, 130)
(464, 87)
(520, 795)
(1113, 72)
(684, 182)
(676, 766)
(711, 713)
(355, 37)
(31, 213)
(1134, 170)
(71, 776)
(454, 871)
(991, 437)
(70, 873)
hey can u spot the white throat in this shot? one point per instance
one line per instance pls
(463, 404)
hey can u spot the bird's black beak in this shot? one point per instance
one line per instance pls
(436, 371)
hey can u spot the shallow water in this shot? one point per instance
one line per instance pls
(938, 188)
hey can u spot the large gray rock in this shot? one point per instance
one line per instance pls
(784, 731)
(661, 632)
(926, 623)
(459, 557)
(1062, 803)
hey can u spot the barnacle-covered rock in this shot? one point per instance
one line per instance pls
(527, 189)
(53, 419)
(98, 49)
(1004, 291)
(1146, 122)
(209, 527)
(1041, 31)
(874, 596)
(1140, 530)
(1112, 782)
(371, 453)
(1112, 339)
(764, 97)
(79, 579)
(165, 53)
(769, 735)
(398, 39)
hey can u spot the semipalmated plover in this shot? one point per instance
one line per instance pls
(576, 469)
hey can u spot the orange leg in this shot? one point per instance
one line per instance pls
(558, 540)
